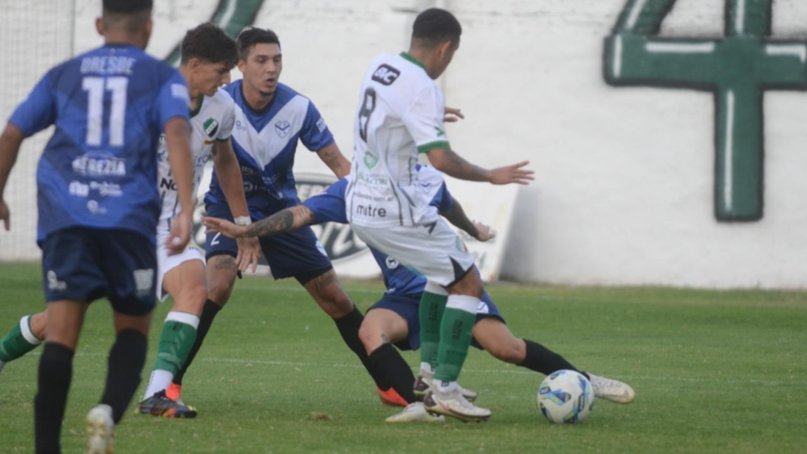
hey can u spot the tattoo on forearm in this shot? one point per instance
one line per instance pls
(279, 222)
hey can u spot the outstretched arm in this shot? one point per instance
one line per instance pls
(283, 221)
(177, 139)
(448, 162)
(10, 142)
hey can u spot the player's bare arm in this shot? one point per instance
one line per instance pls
(335, 160)
(283, 221)
(10, 142)
(456, 215)
(450, 163)
(177, 138)
(232, 185)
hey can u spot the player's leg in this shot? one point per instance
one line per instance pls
(25, 336)
(436, 251)
(71, 277)
(220, 274)
(184, 280)
(493, 335)
(385, 325)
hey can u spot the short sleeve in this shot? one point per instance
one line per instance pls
(315, 134)
(228, 121)
(38, 111)
(173, 99)
(329, 205)
(424, 120)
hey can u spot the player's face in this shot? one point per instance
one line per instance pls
(262, 67)
(208, 77)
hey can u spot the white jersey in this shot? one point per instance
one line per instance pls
(211, 122)
(400, 114)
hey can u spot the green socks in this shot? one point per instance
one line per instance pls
(430, 313)
(18, 341)
(455, 336)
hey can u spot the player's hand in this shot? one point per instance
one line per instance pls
(515, 173)
(452, 114)
(223, 226)
(249, 252)
(5, 215)
(180, 232)
(483, 232)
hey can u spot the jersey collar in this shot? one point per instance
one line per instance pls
(408, 56)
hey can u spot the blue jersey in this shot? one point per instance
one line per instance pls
(99, 169)
(329, 206)
(265, 143)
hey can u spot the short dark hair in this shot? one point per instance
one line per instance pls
(210, 43)
(128, 6)
(436, 25)
(252, 36)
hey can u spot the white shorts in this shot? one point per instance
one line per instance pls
(434, 250)
(166, 263)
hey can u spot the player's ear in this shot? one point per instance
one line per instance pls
(99, 25)
(147, 28)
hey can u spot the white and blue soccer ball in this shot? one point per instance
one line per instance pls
(565, 396)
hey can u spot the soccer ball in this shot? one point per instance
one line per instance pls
(565, 396)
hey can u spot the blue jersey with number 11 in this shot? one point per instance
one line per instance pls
(99, 170)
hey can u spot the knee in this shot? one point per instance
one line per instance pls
(510, 352)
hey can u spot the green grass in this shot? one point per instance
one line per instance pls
(713, 371)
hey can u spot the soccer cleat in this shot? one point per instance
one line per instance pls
(160, 405)
(610, 389)
(453, 404)
(174, 392)
(100, 430)
(424, 383)
(415, 412)
(391, 397)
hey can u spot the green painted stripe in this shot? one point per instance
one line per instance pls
(231, 15)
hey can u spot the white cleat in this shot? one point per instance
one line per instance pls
(100, 430)
(453, 404)
(415, 412)
(611, 389)
(425, 382)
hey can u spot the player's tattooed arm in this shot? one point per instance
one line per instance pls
(281, 222)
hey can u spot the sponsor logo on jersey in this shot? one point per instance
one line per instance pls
(282, 128)
(321, 126)
(99, 165)
(211, 127)
(385, 74)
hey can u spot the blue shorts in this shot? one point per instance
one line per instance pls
(85, 264)
(408, 306)
(295, 254)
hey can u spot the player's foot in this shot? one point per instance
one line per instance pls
(391, 397)
(424, 383)
(452, 403)
(160, 405)
(174, 392)
(100, 430)
(415, 412)
(610, 389)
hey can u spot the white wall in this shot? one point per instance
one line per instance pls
(624, 176)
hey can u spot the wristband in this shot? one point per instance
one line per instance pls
(242, 220)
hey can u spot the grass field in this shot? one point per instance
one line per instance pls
(713, 372)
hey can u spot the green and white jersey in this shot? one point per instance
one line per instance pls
(400, 114)
(212, 121)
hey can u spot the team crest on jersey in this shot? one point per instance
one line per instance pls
(282, 128)
(211, 127)
(370, 160)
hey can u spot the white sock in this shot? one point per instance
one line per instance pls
(426, 370)
(160, 379)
